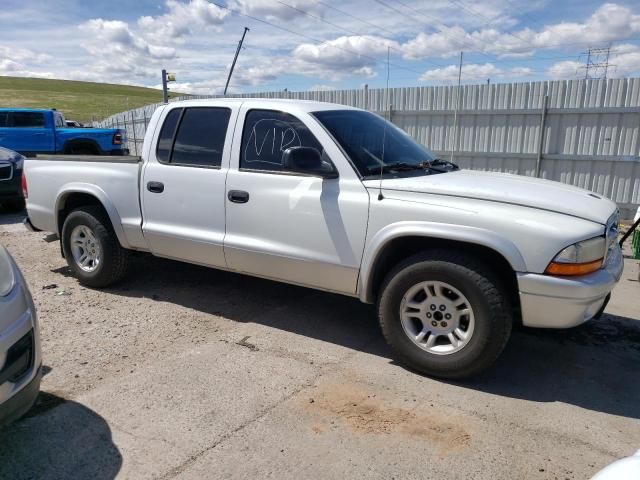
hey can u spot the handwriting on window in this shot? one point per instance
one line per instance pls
(268, 139)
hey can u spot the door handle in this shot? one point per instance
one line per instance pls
(155, 187)
(238, 196)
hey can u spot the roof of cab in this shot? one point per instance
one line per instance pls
(9, 109)
(271, 103)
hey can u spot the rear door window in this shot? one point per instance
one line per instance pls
(26, 119)
(194, 136)
(165, 142)
(200, 137)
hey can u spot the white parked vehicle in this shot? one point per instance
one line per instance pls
(20, 359)
(338, 199)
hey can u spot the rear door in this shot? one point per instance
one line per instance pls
(27, 131)
(183, 184)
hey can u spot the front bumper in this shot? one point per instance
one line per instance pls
(20, 370)
(21, 402)
(564, 302)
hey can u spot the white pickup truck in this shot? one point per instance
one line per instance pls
(338, 199)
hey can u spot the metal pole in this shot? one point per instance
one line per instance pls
(366, 96)
(543, 117)
(133, 125)
(233, 64)
(455, 113)
(165, 93)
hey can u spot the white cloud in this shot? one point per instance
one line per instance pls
(22, 62)
(120, 54)
(565, 70)
(624, 60)
(114, 36)
(609, 22)
(473, 72)
(23, 54)
(321, 88)
(273, 10)
(205, 87)
(182, 19)
(345, 55)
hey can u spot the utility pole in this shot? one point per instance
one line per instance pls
(597, 65)
(165, 93)
(234, 59)
(455, 113)
(166, 78)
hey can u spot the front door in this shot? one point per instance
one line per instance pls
(183, 184)
(302, 229)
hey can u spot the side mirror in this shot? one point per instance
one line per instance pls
(307, 160)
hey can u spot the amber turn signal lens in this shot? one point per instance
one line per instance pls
(573, 269)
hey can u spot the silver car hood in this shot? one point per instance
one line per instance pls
(506, 188)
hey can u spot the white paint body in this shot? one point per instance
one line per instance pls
(328, 233)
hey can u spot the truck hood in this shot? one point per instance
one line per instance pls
(506, 188)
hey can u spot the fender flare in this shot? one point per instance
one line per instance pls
(462, 233)
(101, 196)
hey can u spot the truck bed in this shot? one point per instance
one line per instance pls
(112, 180)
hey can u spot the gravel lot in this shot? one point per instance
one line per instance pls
(185, 372)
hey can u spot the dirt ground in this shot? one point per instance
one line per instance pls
(186, 372)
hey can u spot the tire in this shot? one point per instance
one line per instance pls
(112, 260)
(451, 278)
(15, 205)
(82, 149)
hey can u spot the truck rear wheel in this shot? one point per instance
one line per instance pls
(91, 248)
(444, 314)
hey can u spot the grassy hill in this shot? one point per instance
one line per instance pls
(80, 101)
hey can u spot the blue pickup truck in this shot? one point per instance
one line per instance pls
(31, 131)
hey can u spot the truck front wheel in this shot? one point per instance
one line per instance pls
(444, 314)
(91, 248)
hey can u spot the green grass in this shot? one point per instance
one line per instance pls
(81, 101)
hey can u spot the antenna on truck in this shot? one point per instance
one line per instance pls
(384, 130)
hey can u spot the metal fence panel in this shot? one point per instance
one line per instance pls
(591, 134)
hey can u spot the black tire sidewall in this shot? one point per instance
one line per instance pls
(487, 340)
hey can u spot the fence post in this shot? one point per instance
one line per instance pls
(133, 125)
(126, 134)
(366, 96)
(543, 117)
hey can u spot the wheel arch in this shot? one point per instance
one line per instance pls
(78, 195)
(81, 142)
(400, 241)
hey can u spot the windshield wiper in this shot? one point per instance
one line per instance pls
(400, 167)
(448, 166)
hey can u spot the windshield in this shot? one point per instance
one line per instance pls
(361, 134)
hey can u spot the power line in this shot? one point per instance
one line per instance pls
(441, 27)
(308, 37)
(366, 22)
(350, 32)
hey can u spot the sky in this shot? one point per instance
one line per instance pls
(316, 45)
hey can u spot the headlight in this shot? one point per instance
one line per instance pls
(19, 162)
(580, 258)
(7, 278)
